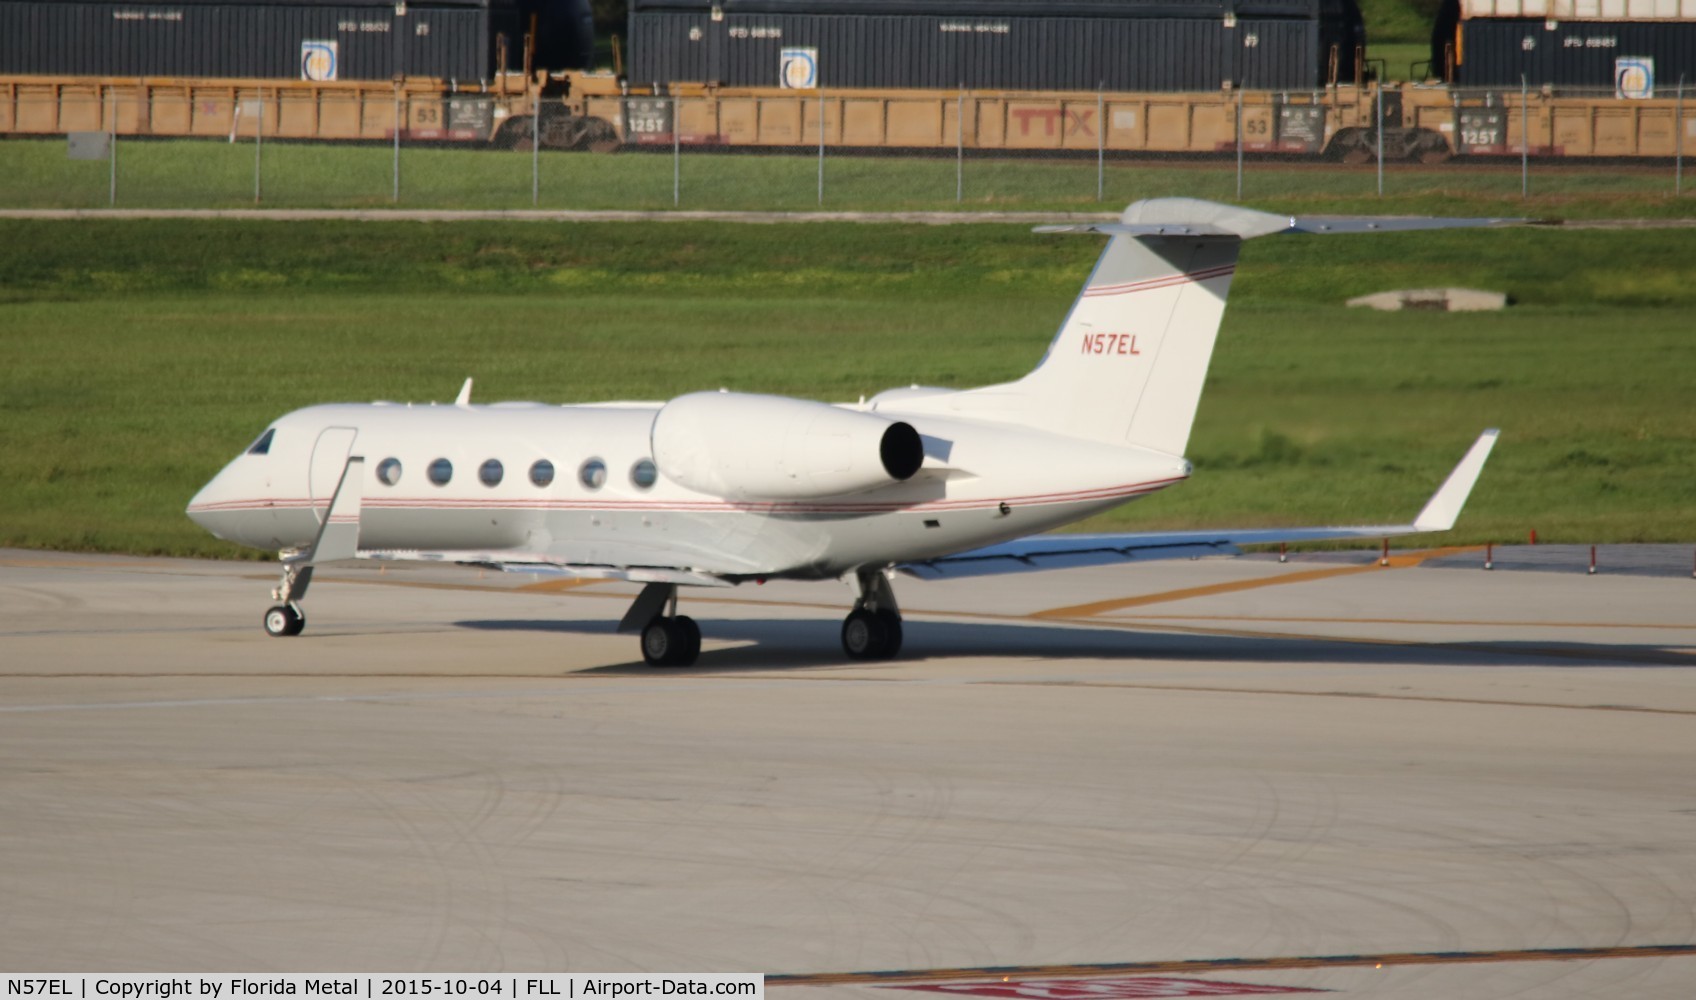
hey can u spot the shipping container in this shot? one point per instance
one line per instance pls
(1575, 10)
(1630, 59)
(465, 40)
(1124, 45)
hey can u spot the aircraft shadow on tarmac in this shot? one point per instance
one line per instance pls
(783, 644)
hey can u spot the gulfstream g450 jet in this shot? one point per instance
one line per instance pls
(714, 489)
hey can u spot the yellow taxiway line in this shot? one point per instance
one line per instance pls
(1401, 561)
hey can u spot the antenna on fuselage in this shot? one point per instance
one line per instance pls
(464, 398)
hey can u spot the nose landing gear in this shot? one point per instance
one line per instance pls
(286, 618)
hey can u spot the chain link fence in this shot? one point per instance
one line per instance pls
(470, 152)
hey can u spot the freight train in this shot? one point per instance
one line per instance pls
(1558, 78)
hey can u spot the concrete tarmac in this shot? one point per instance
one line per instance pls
(1248, 767)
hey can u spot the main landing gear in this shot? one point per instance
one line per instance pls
(872, 631)
(668, 640)
(286, 617)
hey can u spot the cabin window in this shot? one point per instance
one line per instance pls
(542, 472)
(388, 471)
(441, 471)
(491, 472)
(643, 474)
(263, 445)
(593, 474)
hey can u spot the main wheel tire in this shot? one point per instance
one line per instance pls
(660, 643)
(284, 620)
(689, 635)
(892, 634)
(864, 635)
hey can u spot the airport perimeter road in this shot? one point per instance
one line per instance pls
(1404, 782)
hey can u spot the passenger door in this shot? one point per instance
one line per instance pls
(329, 457)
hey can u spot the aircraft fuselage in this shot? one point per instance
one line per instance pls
(474, 481)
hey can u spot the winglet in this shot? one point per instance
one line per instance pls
(1445, 504)
(464, 394)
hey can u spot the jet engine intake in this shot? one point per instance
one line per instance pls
(742, 446)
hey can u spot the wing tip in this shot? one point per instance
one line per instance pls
(1445, 505)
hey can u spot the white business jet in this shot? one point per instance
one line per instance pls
(715, 489)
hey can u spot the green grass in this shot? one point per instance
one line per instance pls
(137, 357)
(202, 174)
(1399, 20)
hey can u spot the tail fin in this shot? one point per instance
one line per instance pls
(1128, 364)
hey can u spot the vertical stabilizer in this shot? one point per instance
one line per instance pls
(1128, 363)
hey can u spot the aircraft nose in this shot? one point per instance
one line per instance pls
(203, 507)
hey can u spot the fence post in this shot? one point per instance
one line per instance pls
(536, 150)
(112, 148)
(1678, 139)
(821, 146)
(1524, 137)
(258, 146)
(676, 153)
(1239, 144)
(396, 196)
(1100, 140)
(960, 143)
(1380, 130)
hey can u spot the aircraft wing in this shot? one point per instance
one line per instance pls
(507, 562)
(1061, 551)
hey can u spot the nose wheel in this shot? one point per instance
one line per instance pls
(285, 619)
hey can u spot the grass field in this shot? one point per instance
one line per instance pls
(137, 357)
(209, 174)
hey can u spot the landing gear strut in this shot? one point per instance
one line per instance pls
(286, 618)
(872, 631)
(668, 640)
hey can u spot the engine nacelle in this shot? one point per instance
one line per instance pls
(747, 447)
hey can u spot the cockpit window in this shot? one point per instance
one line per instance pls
(263, 445)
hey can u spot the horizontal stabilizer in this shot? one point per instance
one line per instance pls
(1155, 217)
(1040, 552)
